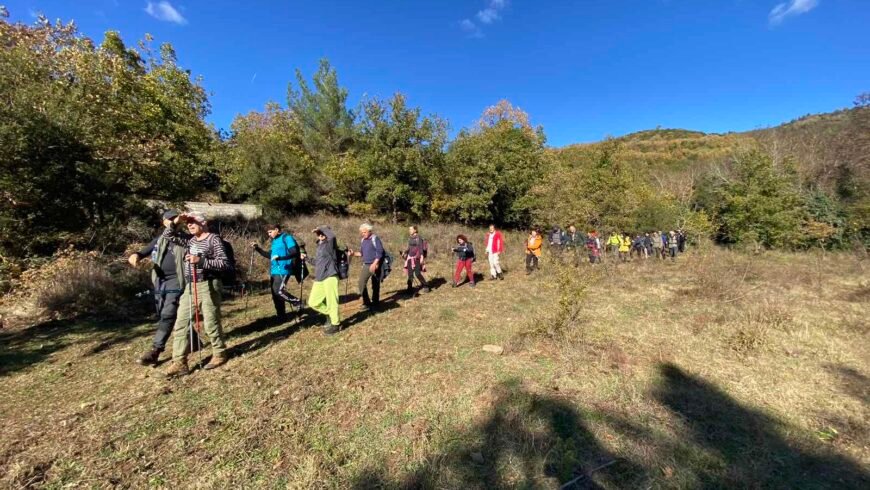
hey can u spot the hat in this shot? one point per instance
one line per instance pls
(170, 214)
(198, 218)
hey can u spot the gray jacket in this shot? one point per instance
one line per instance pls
(325, 261)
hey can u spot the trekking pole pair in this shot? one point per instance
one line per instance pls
(193, 310)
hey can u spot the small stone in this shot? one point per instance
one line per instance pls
(495, 349)
(477, 458)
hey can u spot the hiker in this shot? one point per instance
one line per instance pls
(673, 245)
(624, 247)
(372, 252)
(664, 245)
(656, 239)
(205, 258)
(557, 239)
(464, 251)
(681, 241)
(283, 254)
(415, 259)
(637, 247)
(494, 249)
(648, 244)
(167, 275)
(613, 243)
(533, 251)
(593, 245)
(323, 297)
(573, 242)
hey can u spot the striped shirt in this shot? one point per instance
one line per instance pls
(210, 249)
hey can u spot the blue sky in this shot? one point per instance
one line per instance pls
(582, 69)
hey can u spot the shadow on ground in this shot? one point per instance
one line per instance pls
(531, 440)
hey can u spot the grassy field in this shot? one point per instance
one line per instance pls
(719, 370)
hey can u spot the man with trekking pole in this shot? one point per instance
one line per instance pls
(372, 253)
(206, 258)
(167, 275)
(283, 255)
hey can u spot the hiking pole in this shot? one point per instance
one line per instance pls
(301, 285)
(246, 287)
(196, 316)
(190, 308)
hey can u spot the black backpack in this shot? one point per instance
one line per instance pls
(386, 265)
(342, 262)
(228, 277)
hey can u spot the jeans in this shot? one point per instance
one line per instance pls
(167, 310)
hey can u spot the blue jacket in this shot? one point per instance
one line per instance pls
(284, 246)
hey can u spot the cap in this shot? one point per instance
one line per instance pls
(196, 217)
(170, 214)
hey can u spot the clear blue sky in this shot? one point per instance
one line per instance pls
(582, 69)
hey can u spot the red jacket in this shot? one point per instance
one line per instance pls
(497, 242)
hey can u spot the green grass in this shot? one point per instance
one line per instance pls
(644, 383)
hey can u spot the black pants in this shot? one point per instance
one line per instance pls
(280, 299)
(531, 262)
(364, 276)
(166, 305)
(417, 272)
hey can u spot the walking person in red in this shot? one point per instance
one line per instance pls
(464, 251)
(494, 249)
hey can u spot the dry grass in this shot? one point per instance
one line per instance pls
(636, 378)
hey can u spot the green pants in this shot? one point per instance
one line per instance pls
(324, 298)
(209, 295)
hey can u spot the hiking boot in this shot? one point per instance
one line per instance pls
(177, 369)
(150, 358)
(295, 303)
(331, 329)
(216, 361)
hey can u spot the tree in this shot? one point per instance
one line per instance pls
(755, 201)
(400, 152)
(326, 122)
(494, 166)
(85, 130)
(265, 161)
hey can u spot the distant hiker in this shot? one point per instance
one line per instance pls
(464, 251)
(637, 247)
(673, 244)
(533, 251)
(494, 249)
(664, 244)
(284, 252)
(648, 244)
(681, 241)
(593, 246)
(415, 259)
(372, 252)
(656, 238)
(324, 292)
(167, 275)
(613, 243)
(557, 238)
(624, 247)
(574, 242)
(205, 258)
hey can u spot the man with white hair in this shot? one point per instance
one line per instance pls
(204, 259)
(372, 252)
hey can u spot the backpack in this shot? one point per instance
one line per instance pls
(299, 269)
(228, 277)
(386, 265)
(342, 262)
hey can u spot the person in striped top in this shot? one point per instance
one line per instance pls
(204, 260)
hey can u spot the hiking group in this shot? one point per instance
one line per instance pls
(190, 266)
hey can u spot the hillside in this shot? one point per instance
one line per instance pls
(718, 370)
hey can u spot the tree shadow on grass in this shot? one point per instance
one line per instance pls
(528, 440)
(855, 384)
(749, 443)
(22, 348)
